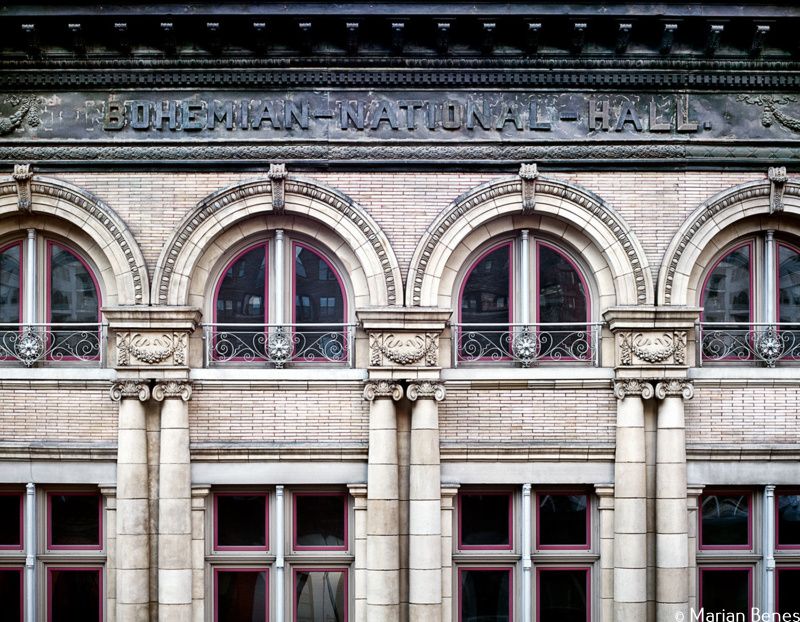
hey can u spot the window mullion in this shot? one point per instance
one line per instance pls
(279, 552)
(30, 278)
(280, 260)
(770, 274)
(525, 282)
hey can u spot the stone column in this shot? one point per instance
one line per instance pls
(672, 527)
(425, 504)
(383, 545)
(692, 496)
(359, 494)
(768, 535)
(630, 503)
(449, 492)
(199, 496)
(605, 506)
(109, 493)
(133, 511)
(174, 505)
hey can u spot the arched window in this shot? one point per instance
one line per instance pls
(265, 284)
(518, 305)
(751, 302)
(49, 303)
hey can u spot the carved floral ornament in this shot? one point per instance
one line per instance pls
(666, 347)
(135, 348)
(422, 350)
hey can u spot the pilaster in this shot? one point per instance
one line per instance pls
(605, 506)
(693, 493)
(448, 492)
(359, 494)
(200, 494)
(109, 493)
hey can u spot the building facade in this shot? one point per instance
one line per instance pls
(387, 312)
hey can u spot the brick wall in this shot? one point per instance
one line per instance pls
(528, 416)
(743, 415)
(74, 414)
(278, 415)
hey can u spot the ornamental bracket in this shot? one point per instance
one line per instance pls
(277, 177)
(23, 175)
(777, 180)
(528, 173)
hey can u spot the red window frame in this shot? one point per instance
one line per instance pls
(299, 547)
(21, 497)
(778, 495)
(3, 249)
(309, 569)
(486, 547)
(778, 571)
(251, 569)
(588, 574)
(248, 493)
(564, 547)
(726, 547)
(508, 569)
(100, 593)
(21, 571)
(703, 569)
(76, 547)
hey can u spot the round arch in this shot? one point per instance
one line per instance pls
(714, 224)
(564, 210)
(77, 215)
(226, 216)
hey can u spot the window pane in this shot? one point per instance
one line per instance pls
(562, 595)
(484, 520)
(485, 595)
(241, 297)
(10, 285)
(726, 297)
(725, 520)
(789, 520)
(73, 295)
(320, 520)
(788, 284)
(75, 520)
(561, 293)
(318, 294)
(241, 520)
(11, 593)
(563, 520)
(241, 596)
(320, 595)
(486, 294)
(788, 600)
(10, 525)
(725, 591)
(75, 595)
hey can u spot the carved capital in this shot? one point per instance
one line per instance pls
(777, 180)
(382, 389)
(389, 349)
(426, 389)
(130, 389)
(528, 173)
(142, 349)
(652, 348)
(23, 175)
(675, 387)
(277, 177)
(632, 387)
(172, 389)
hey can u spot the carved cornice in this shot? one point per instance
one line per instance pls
(426, 389)
(633, 387)
(172, 389)
(130, 389)
(142, 349)
(382, 389)
(389, 349)
(675, 387)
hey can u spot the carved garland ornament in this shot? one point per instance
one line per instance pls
(26, 107)
(770, 111)
(375, 389)
(129, 389)
(404, 351)
(151, 350)
(653, 348)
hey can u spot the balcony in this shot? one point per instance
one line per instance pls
(278, 345)
(757, 344)
(43, 344)
(526, 345)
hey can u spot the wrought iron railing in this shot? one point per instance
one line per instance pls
(758, 343)
(40, 344)
(526, 344)
(279, 344)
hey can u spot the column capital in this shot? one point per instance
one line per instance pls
(108, 490)
(450, 490)
(630, 387)
(172, 388)
(375, 389)
(358, 492)
(769, 490)
(426, 389)
(129, 389)
(675, 387)
(604, 491)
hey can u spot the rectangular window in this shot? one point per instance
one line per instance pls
(725, 520)
(726, 591)
(787, 594)
(484, 594)
(74, 520)
(74, 593)
(241, 594)
(563, 595)
(787, 518)
(562, 521)
(485, 520)
(320, 521)
(241, 521)
(11, 521)
(320, 595)
(11, 593)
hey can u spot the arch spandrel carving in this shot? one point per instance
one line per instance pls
(229, 207)
(578, 208)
